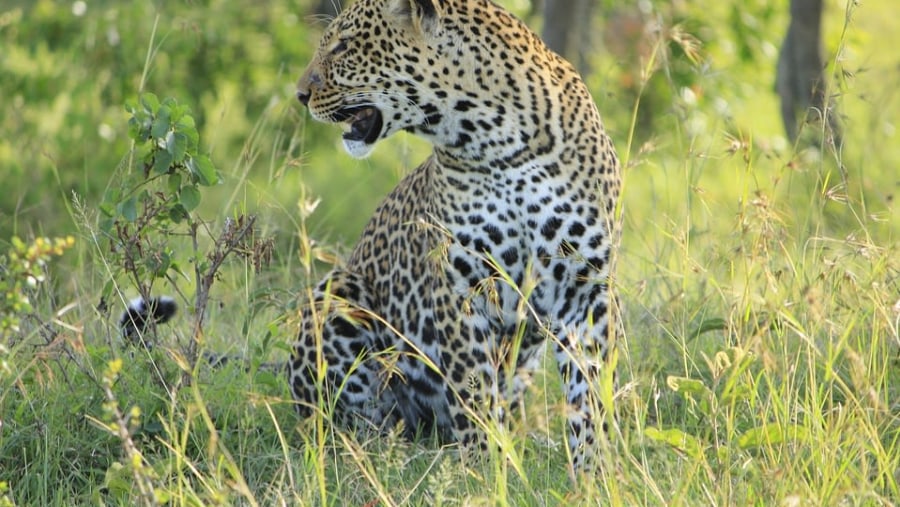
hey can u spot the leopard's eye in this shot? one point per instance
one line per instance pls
(340, 47)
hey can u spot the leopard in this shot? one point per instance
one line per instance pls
(500, 245)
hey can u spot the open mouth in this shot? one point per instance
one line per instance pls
(363, 123)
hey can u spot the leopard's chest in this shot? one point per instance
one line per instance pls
(523, 238)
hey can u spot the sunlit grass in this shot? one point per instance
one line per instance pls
(758, 280)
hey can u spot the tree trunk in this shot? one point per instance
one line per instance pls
(800, 80)
(567, 30)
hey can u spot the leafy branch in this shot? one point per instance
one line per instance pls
(145, 220)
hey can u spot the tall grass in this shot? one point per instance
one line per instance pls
(759, 284)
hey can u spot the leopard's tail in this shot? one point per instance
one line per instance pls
(140, 315)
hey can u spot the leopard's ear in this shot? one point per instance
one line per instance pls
(422, 15)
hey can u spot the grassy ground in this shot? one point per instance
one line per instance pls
(759, 280)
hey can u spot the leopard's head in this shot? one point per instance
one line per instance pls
(433, 67)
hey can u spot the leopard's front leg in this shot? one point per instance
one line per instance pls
(471, 382)
(582, 345)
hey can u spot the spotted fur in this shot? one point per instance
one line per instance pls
(499, 243)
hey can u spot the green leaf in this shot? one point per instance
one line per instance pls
(772, 433)
(179, 111)
(177, 213)
(174, 183)
(684, 442)
(150, 102)
(162, 161)
(139, 126)
(707, 325)
(186, 121)
(203, 170)
(108, 209)
(176, 144)
(162, 123)
(692, 390)
(190, 131)
(190, 197)
(174, 267)
(685, 385)
(134, 128)
(128, 209)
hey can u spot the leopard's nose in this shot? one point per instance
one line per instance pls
(309, 81)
